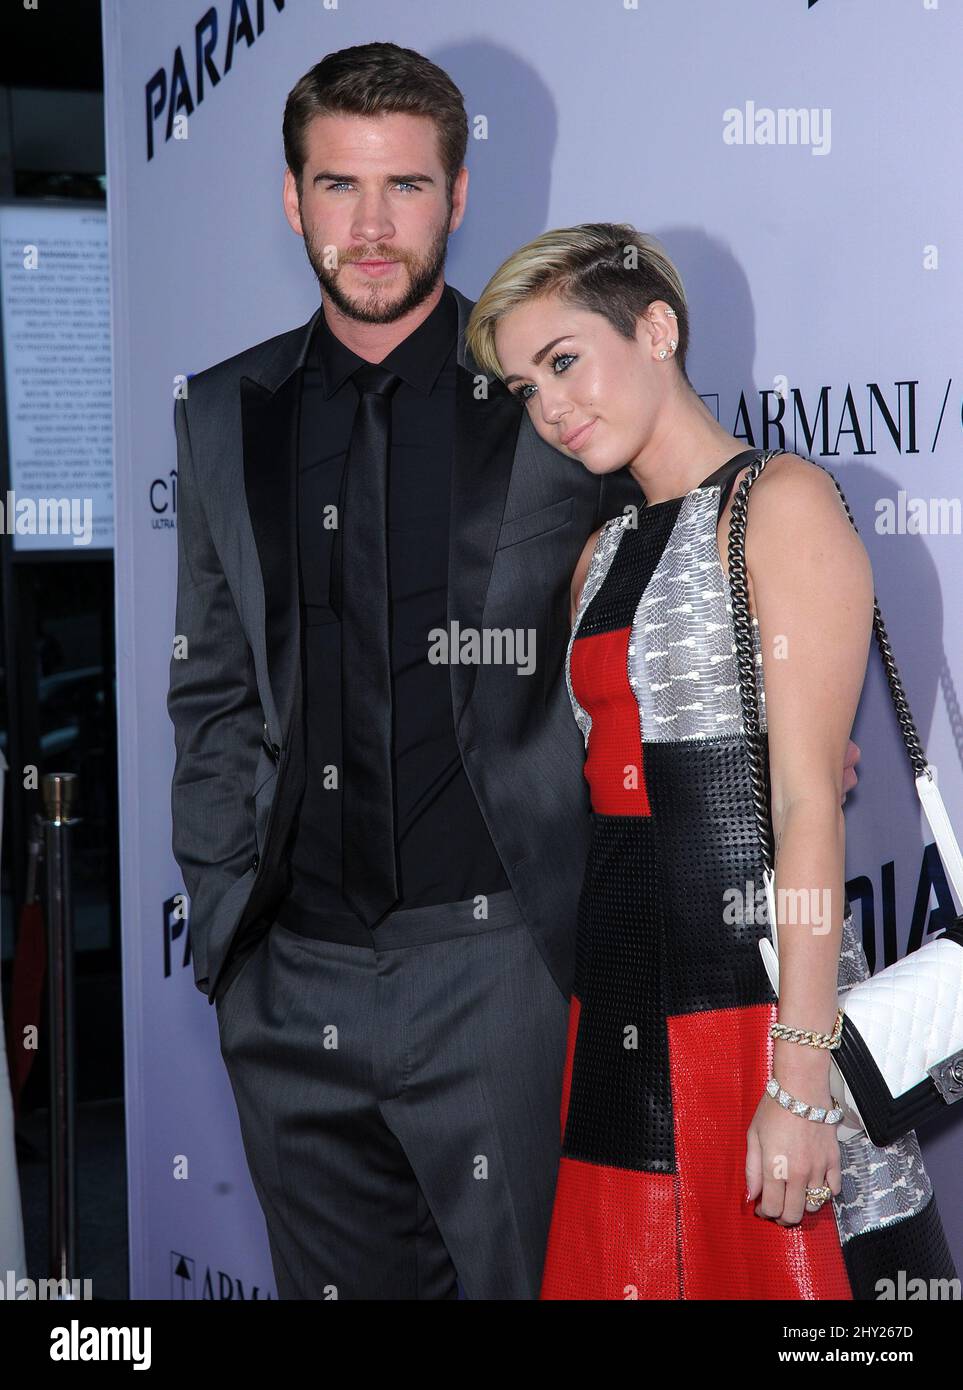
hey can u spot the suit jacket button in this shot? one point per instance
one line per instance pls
(255, 861)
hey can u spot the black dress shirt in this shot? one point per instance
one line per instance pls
(444, 851)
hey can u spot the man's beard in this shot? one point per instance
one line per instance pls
(423, 273)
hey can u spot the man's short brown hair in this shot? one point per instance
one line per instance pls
(372, 79)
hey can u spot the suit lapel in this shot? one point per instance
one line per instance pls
(486, 431)
(270, 420)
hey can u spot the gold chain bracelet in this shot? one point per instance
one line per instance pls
(807, 1036)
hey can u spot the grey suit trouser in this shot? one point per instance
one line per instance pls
(399, 1104)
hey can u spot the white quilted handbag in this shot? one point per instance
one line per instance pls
(900, 1059)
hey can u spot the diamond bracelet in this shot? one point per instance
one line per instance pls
(819, 1113)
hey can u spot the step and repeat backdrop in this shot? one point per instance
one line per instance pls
(799, 164)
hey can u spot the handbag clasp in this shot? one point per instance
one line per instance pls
(948, 1076)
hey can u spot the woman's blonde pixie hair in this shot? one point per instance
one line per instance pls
(609, 268)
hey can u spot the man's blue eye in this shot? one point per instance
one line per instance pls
(344, 184)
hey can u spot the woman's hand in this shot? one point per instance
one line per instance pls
(785, 1153)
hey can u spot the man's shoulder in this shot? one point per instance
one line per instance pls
(615, 491)
(463, 300)
(267, 361)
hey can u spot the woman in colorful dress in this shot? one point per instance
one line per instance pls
(680, 1176)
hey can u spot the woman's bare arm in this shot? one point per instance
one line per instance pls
(813, 591)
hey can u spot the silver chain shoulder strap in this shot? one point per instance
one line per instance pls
(745, 661)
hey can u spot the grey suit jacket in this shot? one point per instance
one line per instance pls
(520, 515)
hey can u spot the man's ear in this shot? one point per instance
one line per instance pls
(289, 200)
(459, 197)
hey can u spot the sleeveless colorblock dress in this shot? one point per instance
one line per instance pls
(668, 1043)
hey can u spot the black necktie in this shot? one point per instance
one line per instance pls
(369, 880)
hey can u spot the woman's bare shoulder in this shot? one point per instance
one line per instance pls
(789, 478)
(794, 505)
(794, 494)
(791, 492)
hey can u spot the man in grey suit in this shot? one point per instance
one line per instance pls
(397, 1076)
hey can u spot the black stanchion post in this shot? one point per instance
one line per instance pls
(60, 791)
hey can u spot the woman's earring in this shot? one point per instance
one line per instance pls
(672, 345)
(663, 354)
